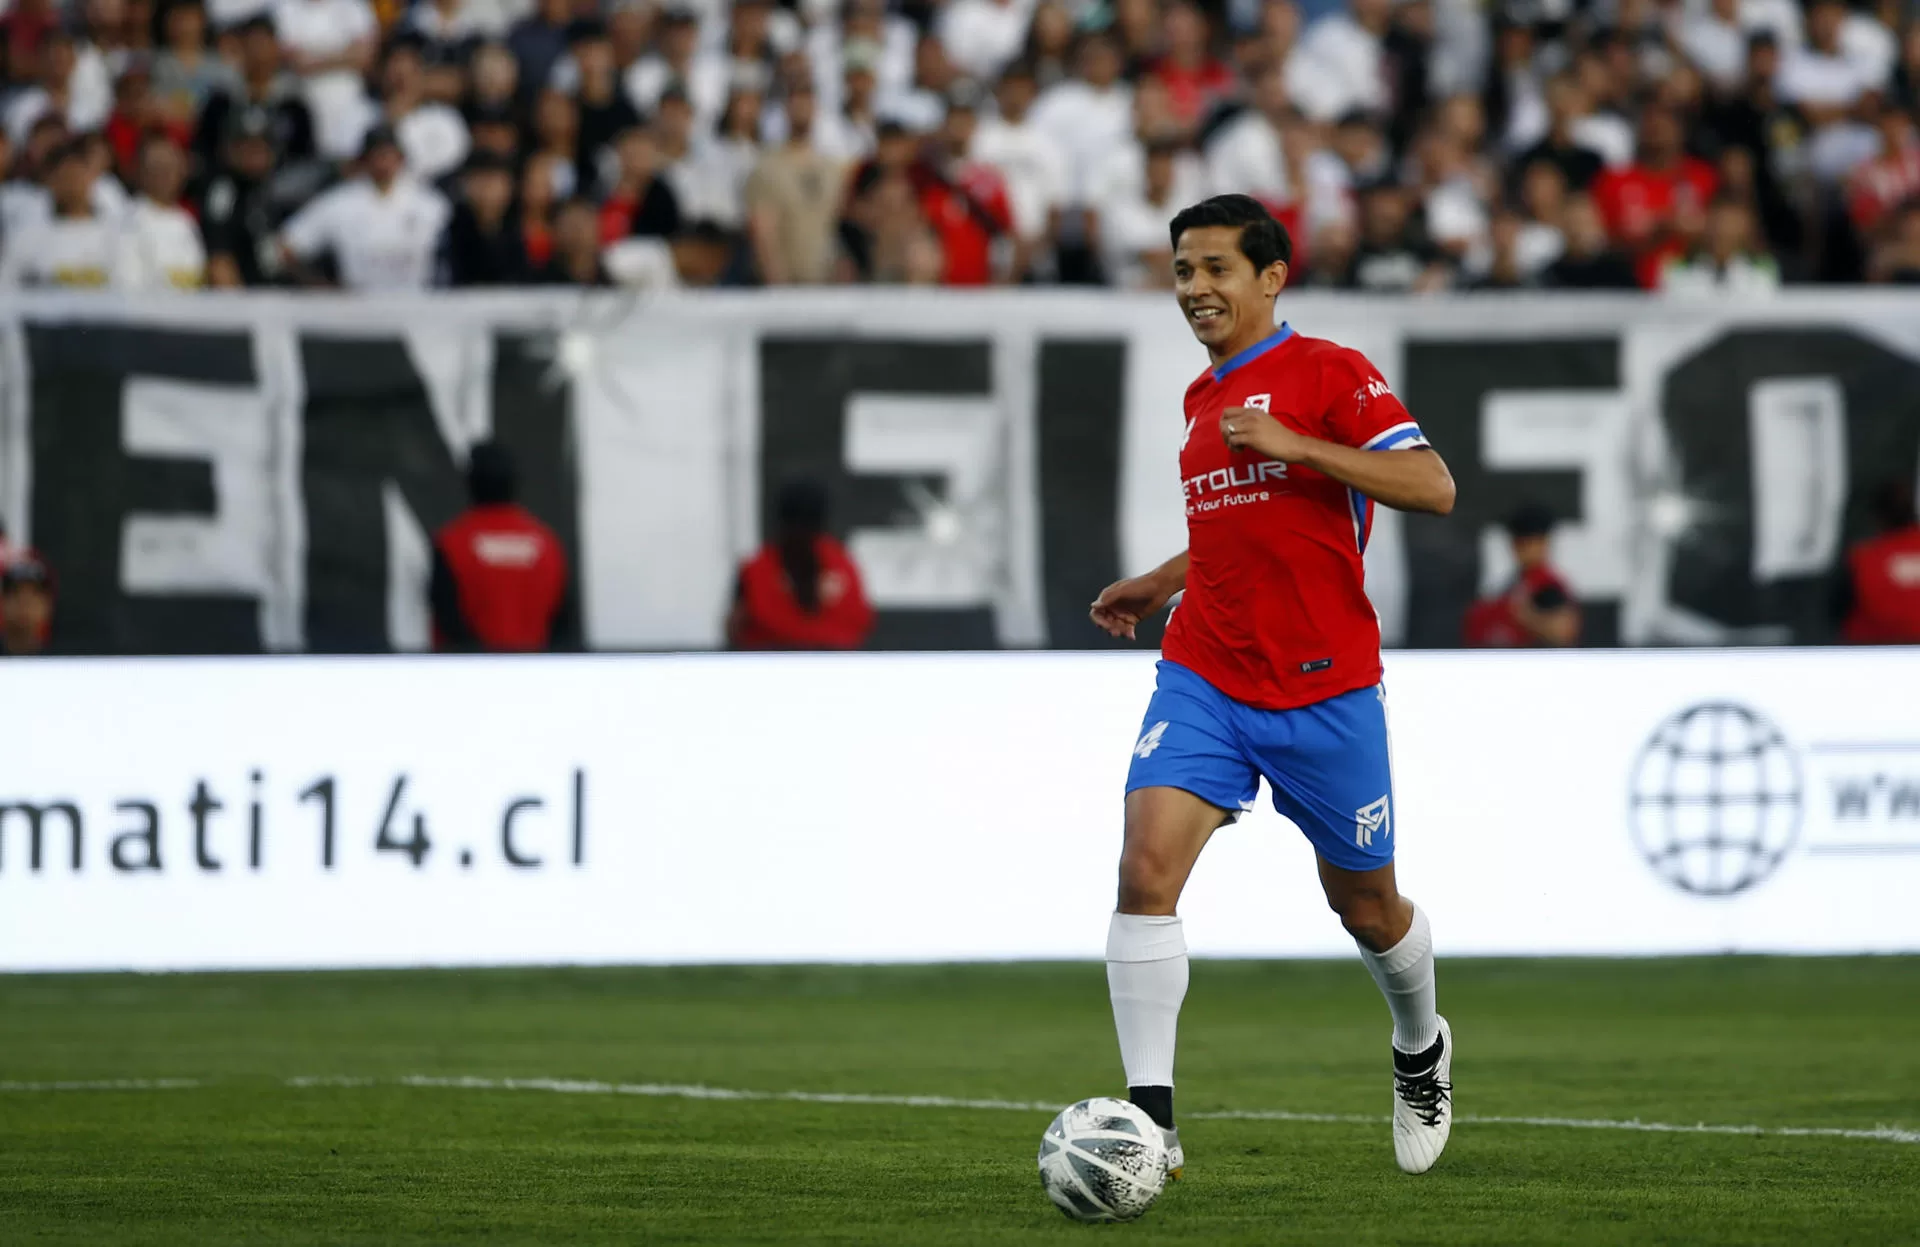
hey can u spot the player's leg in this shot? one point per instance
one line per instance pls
(1187, 776)
(1334, 779)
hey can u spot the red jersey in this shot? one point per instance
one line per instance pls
(968, 213)
(509, 573)
(1886, 589)
(1276, 612)
(772, 617)
(1638, 204)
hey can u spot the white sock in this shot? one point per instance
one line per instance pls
(1405, 975)
(1147, 978)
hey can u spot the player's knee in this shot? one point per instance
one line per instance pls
(1368, 918)
(1149, 881)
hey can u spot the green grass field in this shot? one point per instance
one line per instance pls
(243, 1156)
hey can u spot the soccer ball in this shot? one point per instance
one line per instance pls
(1103, 1160)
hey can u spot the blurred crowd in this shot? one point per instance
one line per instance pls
(1410, 145)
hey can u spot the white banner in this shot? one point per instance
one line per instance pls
(264, 471)
(391, 812)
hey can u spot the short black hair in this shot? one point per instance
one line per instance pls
(1263, 240)
(490, 475)
(1892, 505)
(1530, 519)
(801, 507)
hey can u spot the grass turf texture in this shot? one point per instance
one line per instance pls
(248, 1159)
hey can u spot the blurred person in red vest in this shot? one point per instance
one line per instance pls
(802, 590)
(499, 575)
(26, 604)
(1655, 208)
(1538, 608)
(1880, 583)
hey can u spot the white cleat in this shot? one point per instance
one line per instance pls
(1176, 1155)
(1423, 1103)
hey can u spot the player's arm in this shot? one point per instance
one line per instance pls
(1406, 480)
(1124, 603)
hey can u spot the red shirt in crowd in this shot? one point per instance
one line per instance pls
(1491, 622)
(968, 212)
(1276, 613)
(507, 577)
(1640, 205)
(770, 616)
(1886, 589)
(1881, 185)
(1192, 90)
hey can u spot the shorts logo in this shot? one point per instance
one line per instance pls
(1369, 819)
(1150, 741)
(1259, 402)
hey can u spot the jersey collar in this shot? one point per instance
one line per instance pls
(1234, 362)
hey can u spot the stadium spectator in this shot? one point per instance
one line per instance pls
(160, 243)
(1561, 146)
(1877, 598)
(641, 202)
(1033, 166)
(537, 197)
(1195, 80)
(538, 42)
(1890, 178)
(575, 260)
(802, 589)
(1088, 115)
(186, 73)
(1247, 155)
(723, 163)
(1590, 261)
(677, 61)
(432, 136)
(1728, 260)
(1506, 268)
(331, 45)
(1133, 226)
(793, 201)
(1393, 255)
(485, 245)
(500, 582)
(26, 606)
(605, 113)
(556, 137)
(60, 91)
(983, 36)
(1538, 608)
(965, 200)
(263, 85)
(1655, 207)
(237, 210)
(381, 229)
(75, 245)
(493, 84)
(1896, 260)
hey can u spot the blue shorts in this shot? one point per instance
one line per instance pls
(1327, 763)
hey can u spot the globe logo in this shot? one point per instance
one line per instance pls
(1715, 799)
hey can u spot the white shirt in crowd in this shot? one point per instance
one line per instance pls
(337, 97)
(1034, 166)
(707, 84)
(222, 14)
(1335, 69)
(1718, 49)
(380, 242)
(1247, 157)
(1088, 123)
(75, 253)
(710, 181)
(893, 76)
(86, 110)
(983, 36)
(434, 139)
(1607, 135)
(1131, 224)
(159, 249)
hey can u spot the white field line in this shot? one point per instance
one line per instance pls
(694, 1091)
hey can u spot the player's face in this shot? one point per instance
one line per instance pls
(1224, 298)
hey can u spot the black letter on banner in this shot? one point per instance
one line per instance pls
(1082, 417)
(1706, 410)
(1446, 384)
(369, 422)
(85, 486)
(805, 387)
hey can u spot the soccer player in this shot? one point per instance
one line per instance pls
(1271, 665)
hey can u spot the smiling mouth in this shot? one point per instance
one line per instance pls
(1206, 315)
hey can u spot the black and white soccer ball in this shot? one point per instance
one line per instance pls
(1103, 1160)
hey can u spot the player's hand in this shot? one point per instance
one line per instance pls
(1249, 428)
(1124, 603)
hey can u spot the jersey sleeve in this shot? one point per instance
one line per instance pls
(1364, 412)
